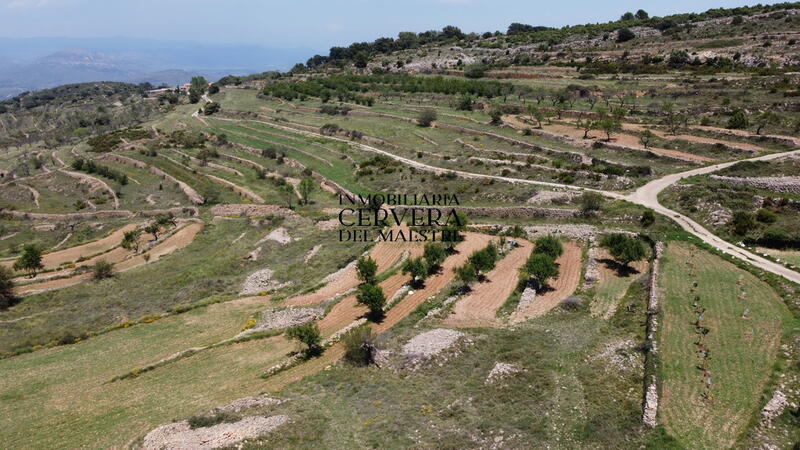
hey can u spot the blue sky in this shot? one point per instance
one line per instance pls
(315, 24)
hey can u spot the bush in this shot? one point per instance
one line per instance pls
(359, 345)
(591, 202)
(766, 216)
(426, 117)
(571, 303)
(625, 35)
(208, 421)
(309, 335)
(624, 248)
(738, 120)
(7, 297)
(743, 222)
(550, 246)
(102, 269)
(477, 70)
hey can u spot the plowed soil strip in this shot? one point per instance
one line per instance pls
(479, 307)
(408, 304)
(560, 288)
(54, 259)
(384, 253)
(180, 239)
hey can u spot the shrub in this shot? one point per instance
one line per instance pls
(549, 245)
(541, 267)
(204, 421)
(7, 297)
(366, 269)
(625, 35)
(591, 202)
(309, 335)
(426, 117)
(743, 222)
(766, 216)
(738, 120)
(624, 248)
(102, 269)
(359, 345)
(648, 218)
(476, 70)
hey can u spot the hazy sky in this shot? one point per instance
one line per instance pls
(318, 24)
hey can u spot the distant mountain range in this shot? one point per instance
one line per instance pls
(38, 63)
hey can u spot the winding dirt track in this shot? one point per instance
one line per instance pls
(72, 254)
(479, 307)
(560, 288)
(646, 195)
(176, 241)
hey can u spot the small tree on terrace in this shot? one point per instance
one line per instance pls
(366, 268)
(738, 120)
(130, 240)
(102, 269)
(426, 117)
(541, 267)
(465, 103)
(418, 269)
(372, 296)
(590, 202)
(536, 114)
(609, 126)
(309, 335)
(7, 297)
(153, 229)
(624, 248)
(466, 274)
(434, 255)
(646, 137)
(549, 245)
(306, 187)
(30, 261)
(765, 119)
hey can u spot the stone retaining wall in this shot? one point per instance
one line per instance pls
(786, 185)
(650, 407)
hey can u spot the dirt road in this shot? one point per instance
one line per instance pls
(645, 196)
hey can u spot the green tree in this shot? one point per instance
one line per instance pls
(434, 255)
(609, 126)
(418, 269)
(153, 229)
(426, 117)
(625, 35)
(102, 269)
(7, 297)
(590, 202)
(648, 218)
(624, 248)
(642, 15)
(541, 267)
(199, 83)
(738, 120)
(646, 137)
(130, 240)
(549, 245)
(765, 119)
(359, 345)
(465, 103)
(743, 222)
(476, 70)
(361, 59)
(30, 261)
(309, 335)
(466, 273)
(372, 296)
(366, 269)
(306, 187)
(496, 114)
(536, 114)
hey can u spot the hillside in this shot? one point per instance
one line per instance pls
(545, 238)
